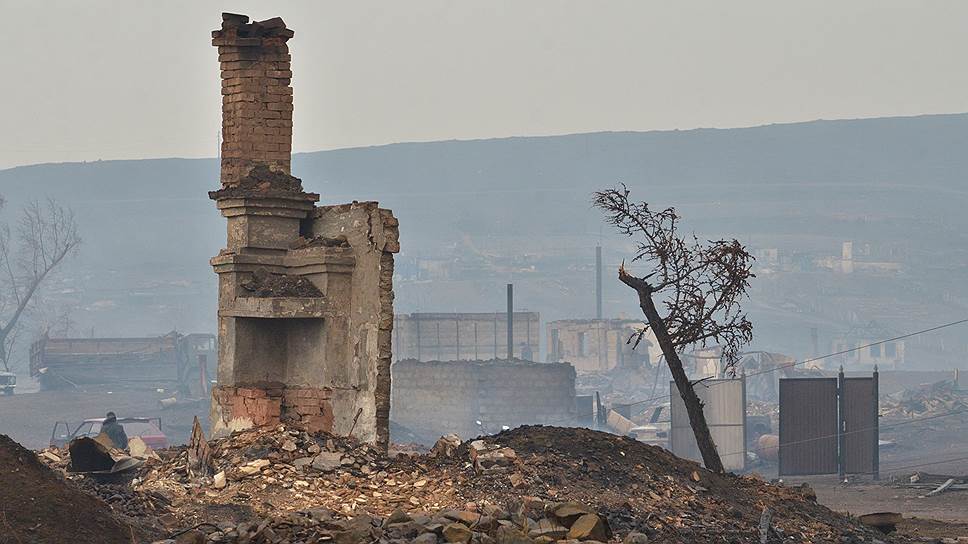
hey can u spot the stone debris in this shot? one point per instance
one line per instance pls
(928, 400)
(450, 526)
(446, 446)
(491, 458)
(534, 485)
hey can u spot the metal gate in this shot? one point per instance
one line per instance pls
(860, 426)
(829, 425)
(724, 405)
(808, 426)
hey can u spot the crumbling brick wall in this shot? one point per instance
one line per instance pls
(256, 95)
(436, 398)
(305, 292)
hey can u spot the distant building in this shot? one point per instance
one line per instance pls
(598, 345)
(865, 352)
(464, 336)
(848, 262)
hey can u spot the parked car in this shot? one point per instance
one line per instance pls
(8, 380)
(146, 428)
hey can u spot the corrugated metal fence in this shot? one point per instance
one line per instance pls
(724, 405)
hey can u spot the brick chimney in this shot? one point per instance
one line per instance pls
(256, 96)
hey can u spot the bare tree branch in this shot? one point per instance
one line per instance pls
(699, 284)
(46, 234)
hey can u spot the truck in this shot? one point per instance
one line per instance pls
(184, 362)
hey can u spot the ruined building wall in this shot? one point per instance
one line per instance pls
(599, 345)
(464, 336)
(436, 398)
(305, 292)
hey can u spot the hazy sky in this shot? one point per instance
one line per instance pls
(132, 79)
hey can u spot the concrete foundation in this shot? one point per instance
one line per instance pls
(305, 291)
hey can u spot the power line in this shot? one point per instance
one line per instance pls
(790, 365)
(918, 465)
(841, 352)
(865, 429)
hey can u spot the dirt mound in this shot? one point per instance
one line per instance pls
(37, 505)
(644, 488)
(284, 485)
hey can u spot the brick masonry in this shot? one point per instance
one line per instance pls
(271, 404)
(317, 354)
(256, 95)
(437, 398)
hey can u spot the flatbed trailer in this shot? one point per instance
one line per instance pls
(172, 360)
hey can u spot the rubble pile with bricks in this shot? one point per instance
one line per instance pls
(530, 485)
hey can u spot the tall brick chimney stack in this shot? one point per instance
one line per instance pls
(305, 300)
(256, 96)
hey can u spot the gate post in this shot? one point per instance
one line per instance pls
(876, 461)
(841, 438)
(746, 429)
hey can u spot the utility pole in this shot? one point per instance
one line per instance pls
(598, 282)
(510, 321)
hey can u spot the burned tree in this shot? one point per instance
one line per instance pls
(700, 286)
(45, 235)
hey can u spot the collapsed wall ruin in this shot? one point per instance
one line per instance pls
(305, 310)
(435, 398)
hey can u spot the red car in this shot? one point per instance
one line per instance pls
(145, 428)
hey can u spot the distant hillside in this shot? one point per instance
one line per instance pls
(149, 228)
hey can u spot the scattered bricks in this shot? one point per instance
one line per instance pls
(320, 423)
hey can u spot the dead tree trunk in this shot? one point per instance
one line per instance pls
(699, 283)
(697, 420)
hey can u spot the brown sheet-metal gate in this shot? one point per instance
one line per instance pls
(808, 426)
(828, 425)
(860, 426)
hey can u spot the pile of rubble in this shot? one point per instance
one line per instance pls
(528, 485)
(38, 505)
(528, 523)
(934, 399)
